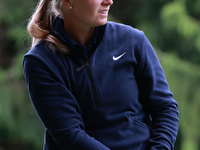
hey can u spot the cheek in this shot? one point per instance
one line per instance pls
(86, 12)
(91, 9)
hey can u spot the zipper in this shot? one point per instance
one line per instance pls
(87, 65)
(89, 70)
(93, 85)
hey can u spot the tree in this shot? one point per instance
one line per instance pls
(20, 128)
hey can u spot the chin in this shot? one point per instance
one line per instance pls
(102, 23)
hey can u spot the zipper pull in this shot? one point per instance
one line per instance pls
(87, 64)
(80, 68)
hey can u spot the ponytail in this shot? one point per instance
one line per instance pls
(40, 24)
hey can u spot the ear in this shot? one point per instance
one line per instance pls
(66, 3)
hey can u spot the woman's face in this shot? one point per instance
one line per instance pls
(90, 12)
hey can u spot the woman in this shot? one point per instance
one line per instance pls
(96, 85)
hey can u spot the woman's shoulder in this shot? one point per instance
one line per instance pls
(43, 54)
(122, 32)
(41, 49)
(123, 28)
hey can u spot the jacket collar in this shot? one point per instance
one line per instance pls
(59, 32)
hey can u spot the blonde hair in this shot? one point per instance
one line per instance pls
(40, 24)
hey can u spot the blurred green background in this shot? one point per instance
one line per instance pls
(173, 28)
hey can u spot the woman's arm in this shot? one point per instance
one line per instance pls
(57, 107)
(157, 99)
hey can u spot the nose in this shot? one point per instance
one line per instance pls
(108, 2)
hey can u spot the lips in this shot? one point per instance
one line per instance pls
(104, 11)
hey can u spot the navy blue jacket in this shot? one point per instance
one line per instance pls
(117, 98)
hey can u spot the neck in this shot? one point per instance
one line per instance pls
(80, 34)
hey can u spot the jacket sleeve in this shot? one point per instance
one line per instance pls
(57, 107)
(157, 99)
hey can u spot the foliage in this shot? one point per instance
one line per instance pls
(184, 80)
(14, 15)
(20, 127)
(177, 22)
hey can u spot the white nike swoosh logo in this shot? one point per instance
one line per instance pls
(116, 58)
